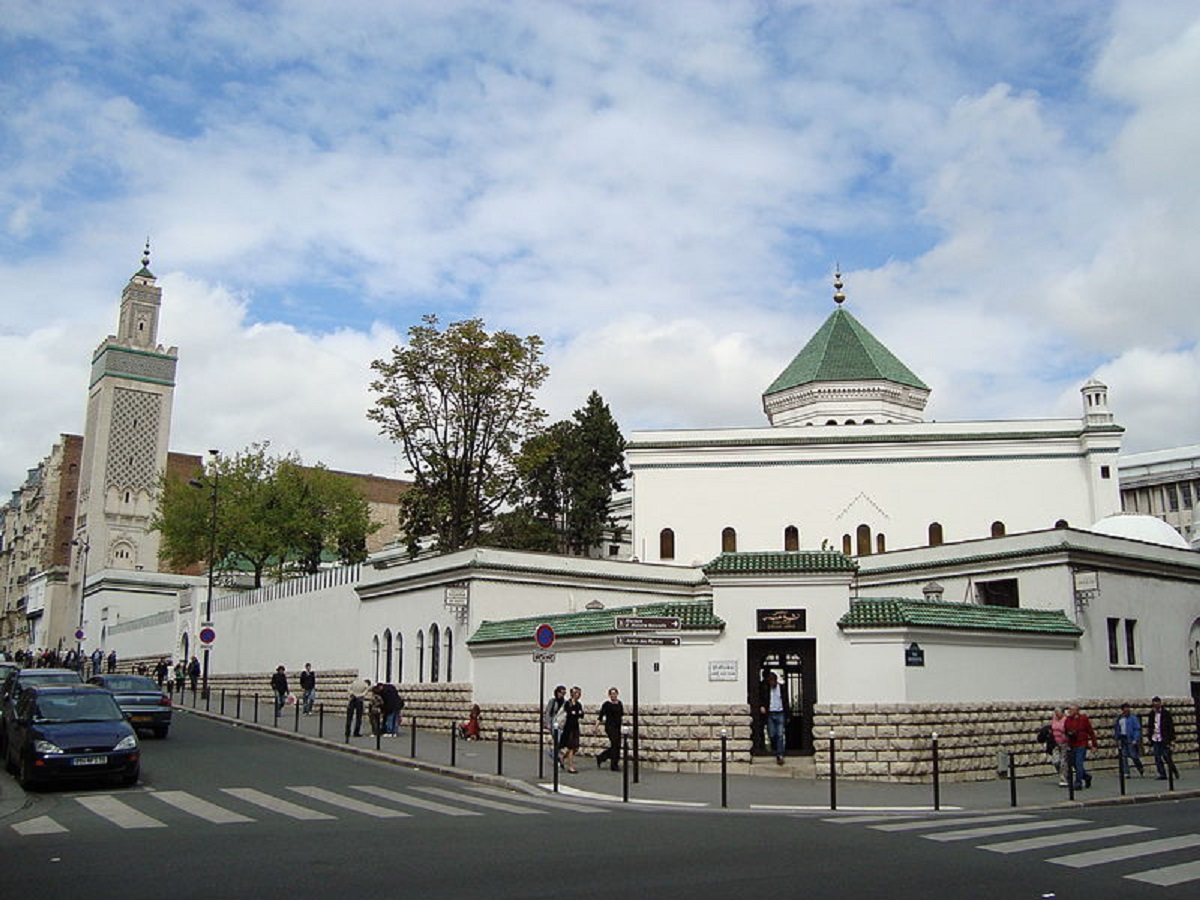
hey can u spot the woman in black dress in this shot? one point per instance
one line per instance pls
(570, 732)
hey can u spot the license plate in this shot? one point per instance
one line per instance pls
(140, 718)
(89, 761)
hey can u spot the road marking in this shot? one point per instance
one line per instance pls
(942, 823)
(277, 804)
(1169, 875)
(420, 802)
(859, 820)
(358, 806)
(1127, 851)
(40, 825)
(117, 812)
(210, 812)
(967, 834)
(482, 801)
(501, 794)
(1057, 840)
(612, 798)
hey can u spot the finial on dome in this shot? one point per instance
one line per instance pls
(838, 297)
(146, 254)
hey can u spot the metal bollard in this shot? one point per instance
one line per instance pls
(724, 769)
(321, 720)
(379, 737)
(1012, 780)
(296, 726)
(222, 701)
(937, 783)
(238, 715)
(624, 764)
(453, 744)
(500, 750)
(1070, 774)
(555, 766)
(832, 770)
(1121, 761)
(256, 709)
(207, 700)
(412, 748)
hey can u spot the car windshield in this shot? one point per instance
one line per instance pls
(128, 683)
(89, 707)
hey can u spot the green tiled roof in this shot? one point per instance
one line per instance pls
(843, 350)
(890, 612)
(693, 615)
(777, 562)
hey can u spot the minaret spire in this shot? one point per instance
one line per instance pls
(838, 297)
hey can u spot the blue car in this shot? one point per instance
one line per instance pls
(62, 732)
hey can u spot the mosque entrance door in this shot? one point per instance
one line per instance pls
(794, 662)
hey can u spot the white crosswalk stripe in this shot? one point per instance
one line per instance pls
(1057, 840)
(500, 794)
(118, 812)
(967, 834)
(419, 802)
(197, 806)
(500, 805)
(945, 823)
(1127, 851)
(40, 825)
(1169, 875)
(350, 803)
(277, 804)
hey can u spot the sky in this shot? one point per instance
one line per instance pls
(661, 190)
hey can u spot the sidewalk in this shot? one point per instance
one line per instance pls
(517, 766)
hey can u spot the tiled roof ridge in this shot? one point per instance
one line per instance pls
(695, 615)
(887, 612)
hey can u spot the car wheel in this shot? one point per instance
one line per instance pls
(161, 733)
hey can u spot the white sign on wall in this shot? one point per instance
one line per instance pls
(722, 670)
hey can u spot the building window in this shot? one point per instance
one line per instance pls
(997, 529)
(448, 641)
(791, 538)
(1062, 523)
(1172, 498)
(880, 543)
(374, 656)
(1002, 592)
(420, 656)
(435, 654)
(666, 544)
(1122, 642)
(935, 534)
(728, 541)
(399, 657)
(1105, 472)
(862, 536)
(387, 654)
(1185, 495)
(846, 548)
(1131, 654)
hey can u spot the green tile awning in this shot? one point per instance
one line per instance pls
(693, 616)
(843, 350)
(780, 562)
(890, 612)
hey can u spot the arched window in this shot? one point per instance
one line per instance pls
(420, 656)
(666, 544)
(399, 646)
(375, 657)
(387, 654)
(846, 548)
(935, 534)
(880, 543)
(831, 422)
(435, 653)
(791, 538)
(448, 641)
(728, 541)
(997, 529)
(863, 539)
(1061, 523)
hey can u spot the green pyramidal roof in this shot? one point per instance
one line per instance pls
(843, 350)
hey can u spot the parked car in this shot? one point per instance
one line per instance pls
(70, 732)
(141, 699)
(18, 681)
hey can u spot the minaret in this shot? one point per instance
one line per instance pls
(125, 438)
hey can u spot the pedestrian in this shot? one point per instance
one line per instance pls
(112, 661)
(279, 685)
(308, 684)
(1160, 725)
(354, 708)
(392, 704)
(97, 661)
(773, 706)
(471, 728)
(612, 714)
(1061, 753)
(1080, 736)
(571, 728)
(554, 717)
(161, 669)
(180, 676)
(374, 709)
(1128, 733)
(194, 672)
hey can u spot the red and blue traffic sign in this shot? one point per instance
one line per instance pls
(544, 636)
(207, 635)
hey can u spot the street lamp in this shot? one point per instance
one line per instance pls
(215, 456)
(84, 545)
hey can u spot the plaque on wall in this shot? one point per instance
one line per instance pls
(914, 655)
(782, 620)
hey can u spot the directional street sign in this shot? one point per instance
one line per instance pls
(544, 656)
(644, 640)
(648, 623)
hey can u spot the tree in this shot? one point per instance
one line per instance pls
(271, 513)
(568, 474)
(460, 402)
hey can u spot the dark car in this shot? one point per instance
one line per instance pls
(70, 732)
(16, 682)
(144, 704)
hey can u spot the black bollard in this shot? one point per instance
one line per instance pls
(296, 726)
(412, 748)
(453, 744)
(321, 720)
(832, 771)
(207, 700)
(238, 714)
(1070, 774)
(379, 737)
(222, 701)
(555, 766)
(256, 709)
(1121, 769)
(937, 782)
(1012, 779)
(500, 750)
(724, 770)
(624, 766)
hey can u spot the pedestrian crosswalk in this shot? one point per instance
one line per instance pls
(148, 809)
(1034, 834)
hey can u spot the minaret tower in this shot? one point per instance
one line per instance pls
(125, 438)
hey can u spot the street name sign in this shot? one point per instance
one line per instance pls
(648, 623)
(645, 640)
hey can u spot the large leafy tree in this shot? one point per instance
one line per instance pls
(271, 514)
(569, 472)
(460, 402)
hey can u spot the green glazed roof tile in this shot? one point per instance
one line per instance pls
(777, 562)
(693, 615)
(843, 350)
(891, 612)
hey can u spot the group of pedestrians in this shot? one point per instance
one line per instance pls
(70, 659)
(1069, 735)
(308, 689)
(381, 705)
(563, 718)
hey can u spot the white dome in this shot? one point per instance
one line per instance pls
(1141, 528)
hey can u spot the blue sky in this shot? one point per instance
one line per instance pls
(661, 190)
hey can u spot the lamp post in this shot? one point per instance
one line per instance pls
(215, 457)
(84, 545)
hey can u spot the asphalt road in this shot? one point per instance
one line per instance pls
(224, 812)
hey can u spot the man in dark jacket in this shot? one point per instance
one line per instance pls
(773, 707)
(308, 684)
(1160, 727)
(279, 684)
(392, 704)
